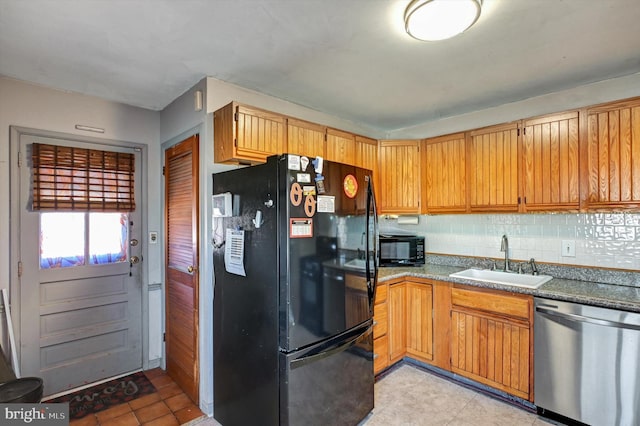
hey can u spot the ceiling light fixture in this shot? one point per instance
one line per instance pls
(432, 20)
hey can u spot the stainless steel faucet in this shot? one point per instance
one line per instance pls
(504, 246)
(534, 268)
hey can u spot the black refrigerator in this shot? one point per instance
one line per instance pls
(295, 271)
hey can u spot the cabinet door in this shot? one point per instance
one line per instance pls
(259, 133)
(399, 176)
(397, 301)
(366, 153)
(380, 329)
(493, 168)
(305, 138)
(550, 162)
(444, 174)
(341, 147)
(367, 158)
(491, 350)
(613, 156)
(419, 329)
(380, 353)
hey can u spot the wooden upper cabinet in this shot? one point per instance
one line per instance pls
(550, 153)
(245, 134)
(366, 153)
(341, 147)
(367, 158)
(399, 176)
(305, 138)
(612, 178)
(493, 168)
(444, 174)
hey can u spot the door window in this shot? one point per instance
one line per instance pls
(70, 239)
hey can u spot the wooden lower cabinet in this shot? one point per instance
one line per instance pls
(380, 329)
(491, 339)
(484, 335)
(411, 320)
(419, 321)
(397, 321)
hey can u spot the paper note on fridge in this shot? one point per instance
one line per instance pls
(234, 252)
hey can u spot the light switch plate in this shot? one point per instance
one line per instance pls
(568, 248)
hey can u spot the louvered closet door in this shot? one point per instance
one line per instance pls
(181, 288)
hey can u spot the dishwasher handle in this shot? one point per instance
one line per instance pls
(590, 320)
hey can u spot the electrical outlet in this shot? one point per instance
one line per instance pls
(568, 248)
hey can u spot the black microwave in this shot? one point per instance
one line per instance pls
(401, 250)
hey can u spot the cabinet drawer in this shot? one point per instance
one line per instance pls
(380, 320)
(501, 304)
(381, 293)
(380, 353)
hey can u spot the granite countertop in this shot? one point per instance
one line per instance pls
(587, 292)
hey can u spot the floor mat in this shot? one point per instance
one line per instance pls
(106, 395)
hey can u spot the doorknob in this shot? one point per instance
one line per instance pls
(134, 242)
(190, 269)
(134, 260)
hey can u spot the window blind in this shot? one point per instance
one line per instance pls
(71, 179)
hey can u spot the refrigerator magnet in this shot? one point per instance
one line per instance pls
(295, 194)
(309, 190)
(304, 162)
(350, 186)
(309, 205)
(326, 204)
(303, 177)
(300, 227)
(320, 184)
(293, 162)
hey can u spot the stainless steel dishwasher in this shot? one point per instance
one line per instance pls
(587, 363)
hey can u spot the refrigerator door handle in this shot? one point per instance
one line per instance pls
(304, 360)
(371, 205)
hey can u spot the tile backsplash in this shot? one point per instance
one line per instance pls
(610, 240)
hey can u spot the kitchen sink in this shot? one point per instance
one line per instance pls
(506, 278)
(358, 264)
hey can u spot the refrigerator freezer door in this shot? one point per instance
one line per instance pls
(329, 384)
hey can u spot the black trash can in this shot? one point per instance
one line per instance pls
(25, 389)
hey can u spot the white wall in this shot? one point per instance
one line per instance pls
(37, 107)
(220, 93)
(582, 96)
(178, 121)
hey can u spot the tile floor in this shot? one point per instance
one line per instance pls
(405, 396)
(169, 406)
(410, 396)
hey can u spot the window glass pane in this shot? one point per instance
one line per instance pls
(108, 239)
(61, 240)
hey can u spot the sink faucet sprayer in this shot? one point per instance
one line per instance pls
(504, 246)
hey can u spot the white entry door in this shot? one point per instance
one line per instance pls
(80, 285)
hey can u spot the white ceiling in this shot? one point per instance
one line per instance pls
(347, 58)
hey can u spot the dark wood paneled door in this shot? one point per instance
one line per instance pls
(181, 275)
